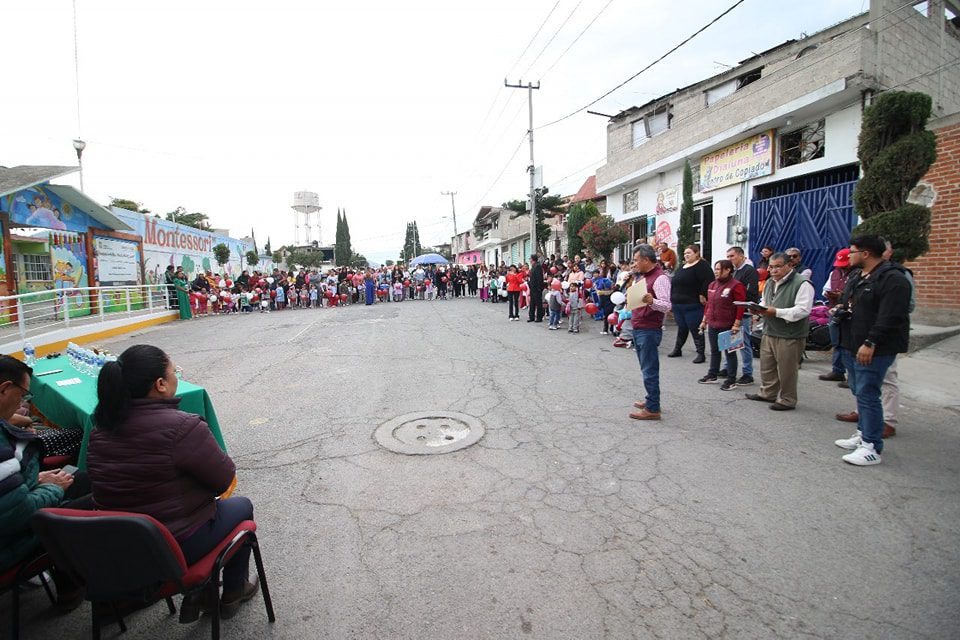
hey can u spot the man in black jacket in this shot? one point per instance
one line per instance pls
(748, 276)
(535, 313)
(874, 327)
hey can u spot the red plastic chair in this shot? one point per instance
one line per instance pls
(123, 556)
(15, 576)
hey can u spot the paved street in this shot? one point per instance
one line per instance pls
(568, 519)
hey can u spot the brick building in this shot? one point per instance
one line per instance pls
(773, 141)
(938, 299)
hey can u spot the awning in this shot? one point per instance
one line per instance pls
(25, 176)
(83, 202)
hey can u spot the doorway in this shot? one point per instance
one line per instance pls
(703, 228)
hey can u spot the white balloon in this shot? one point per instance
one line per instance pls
(565, 285)
(222, 283)
(270, 279)
(617, 297)
(213, 298)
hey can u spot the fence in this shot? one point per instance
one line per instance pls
(28, 315)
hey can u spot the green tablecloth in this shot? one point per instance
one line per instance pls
(71, 407)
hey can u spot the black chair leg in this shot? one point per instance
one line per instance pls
(15, 614)
(95, 620)
(170, 606)
(46, 587)
(261, 574)
(215, 608)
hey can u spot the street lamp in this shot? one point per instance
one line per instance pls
(80, 145)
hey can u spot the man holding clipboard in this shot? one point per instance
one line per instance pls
(649, 300)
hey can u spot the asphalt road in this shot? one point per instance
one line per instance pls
(568, 519)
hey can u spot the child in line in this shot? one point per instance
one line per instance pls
(555, 305)
(576, 307)
(313, 295)
(430, 291)
(281, 298)
(397, 291)
(265, 302)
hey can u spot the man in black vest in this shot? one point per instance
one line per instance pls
(535, 313)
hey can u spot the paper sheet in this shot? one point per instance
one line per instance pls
(636, 293)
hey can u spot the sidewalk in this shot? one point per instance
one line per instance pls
(931, 374)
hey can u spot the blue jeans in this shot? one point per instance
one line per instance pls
(646, 342)
(838, 366)
(230, 513)
(688, 317)
(865, 381)
(554, 318)
(747, 350)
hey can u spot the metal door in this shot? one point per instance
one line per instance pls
(818, 222)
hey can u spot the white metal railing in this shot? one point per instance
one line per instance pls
(32, 314)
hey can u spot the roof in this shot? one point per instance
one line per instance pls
(26, 176)
(82, 201)
(587, 192)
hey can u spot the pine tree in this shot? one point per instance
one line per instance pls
(266, 248)
(686, 232)
(347, 246)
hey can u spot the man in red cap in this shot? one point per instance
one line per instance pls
(831, 291)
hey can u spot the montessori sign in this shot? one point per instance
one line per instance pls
(745, 160)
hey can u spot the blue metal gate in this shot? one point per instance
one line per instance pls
(818, 222)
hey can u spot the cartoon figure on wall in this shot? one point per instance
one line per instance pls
(69, 266)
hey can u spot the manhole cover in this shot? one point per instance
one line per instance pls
(429, 432)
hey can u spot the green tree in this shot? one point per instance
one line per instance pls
(411, 243)
(686, 232)
(221, 253)
(129, 205)
(895, 152)
(347, 246)
(252, 258)
(358, 260)
(196, 220)
(602, 235)
(548, 206)
(266, 247)
(577, 216)
(388, 263)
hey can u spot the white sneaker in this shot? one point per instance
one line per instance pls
(850, 443)
(864, 456)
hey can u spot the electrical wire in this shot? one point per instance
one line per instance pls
(580, 35)
(555, 34)
(539, 29)
(499, 175)
(658, 60)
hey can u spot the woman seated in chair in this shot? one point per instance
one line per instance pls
(147, 456)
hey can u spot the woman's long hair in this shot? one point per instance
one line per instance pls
(129, 378)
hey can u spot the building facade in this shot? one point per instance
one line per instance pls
(773, 141)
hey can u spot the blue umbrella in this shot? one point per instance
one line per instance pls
(429, 258)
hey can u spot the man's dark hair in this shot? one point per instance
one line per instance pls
(645, 251)
(781, 255)
(737, 250)
(876, 245)
(534, 258)
(13, 370)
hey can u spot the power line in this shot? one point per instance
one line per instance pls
(555, 34)
(527, 48)
(499, 175)
(685, 41)
(580, 35)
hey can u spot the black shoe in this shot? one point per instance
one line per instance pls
(708, 380)
(674, 354)
(843, 385)
(728, 385)
(744, 380)
(776, 406)
(530, 320)
(757, 397)
(722, 373)
(700, 359)
(833, 376)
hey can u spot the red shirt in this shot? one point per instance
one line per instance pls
(513, 282)
(720, 312)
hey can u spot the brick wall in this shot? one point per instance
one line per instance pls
(938, 296)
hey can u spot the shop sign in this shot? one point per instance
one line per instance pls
(745, 160)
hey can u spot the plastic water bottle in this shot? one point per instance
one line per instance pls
(29, 354)
(101, 360)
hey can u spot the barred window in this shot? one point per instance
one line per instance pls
(36, 267)
(804, 144)
(631, 201)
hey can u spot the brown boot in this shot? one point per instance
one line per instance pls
(643, 414)
(888, 430)
(230, 601)
(853, 416)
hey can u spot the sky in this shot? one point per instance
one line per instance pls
(228, 108)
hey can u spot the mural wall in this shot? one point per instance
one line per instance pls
(38, 207)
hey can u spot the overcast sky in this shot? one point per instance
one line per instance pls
(229, 107)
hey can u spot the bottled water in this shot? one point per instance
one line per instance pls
(29, 354)
(101, 360)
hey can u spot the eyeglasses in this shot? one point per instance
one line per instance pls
(793, 256)
(25, 395)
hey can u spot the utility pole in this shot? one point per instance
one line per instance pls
(533, 189)
(453, 208)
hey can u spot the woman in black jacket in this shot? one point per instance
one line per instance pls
(688, 294)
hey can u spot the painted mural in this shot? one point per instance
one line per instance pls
(68, 267)
(39, 207)
(168, 243)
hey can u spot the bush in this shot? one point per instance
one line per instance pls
(602, 235)
(577, 216)
(907, 229)
(894, 172)
(890, 117)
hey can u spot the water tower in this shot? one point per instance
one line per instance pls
(307, 203)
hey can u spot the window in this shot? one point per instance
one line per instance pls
(732, 86)
(923, 8)
(650, 125)
(631, 201)
(36, 267)
(803, 144)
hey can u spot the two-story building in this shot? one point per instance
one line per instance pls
(773, 141)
